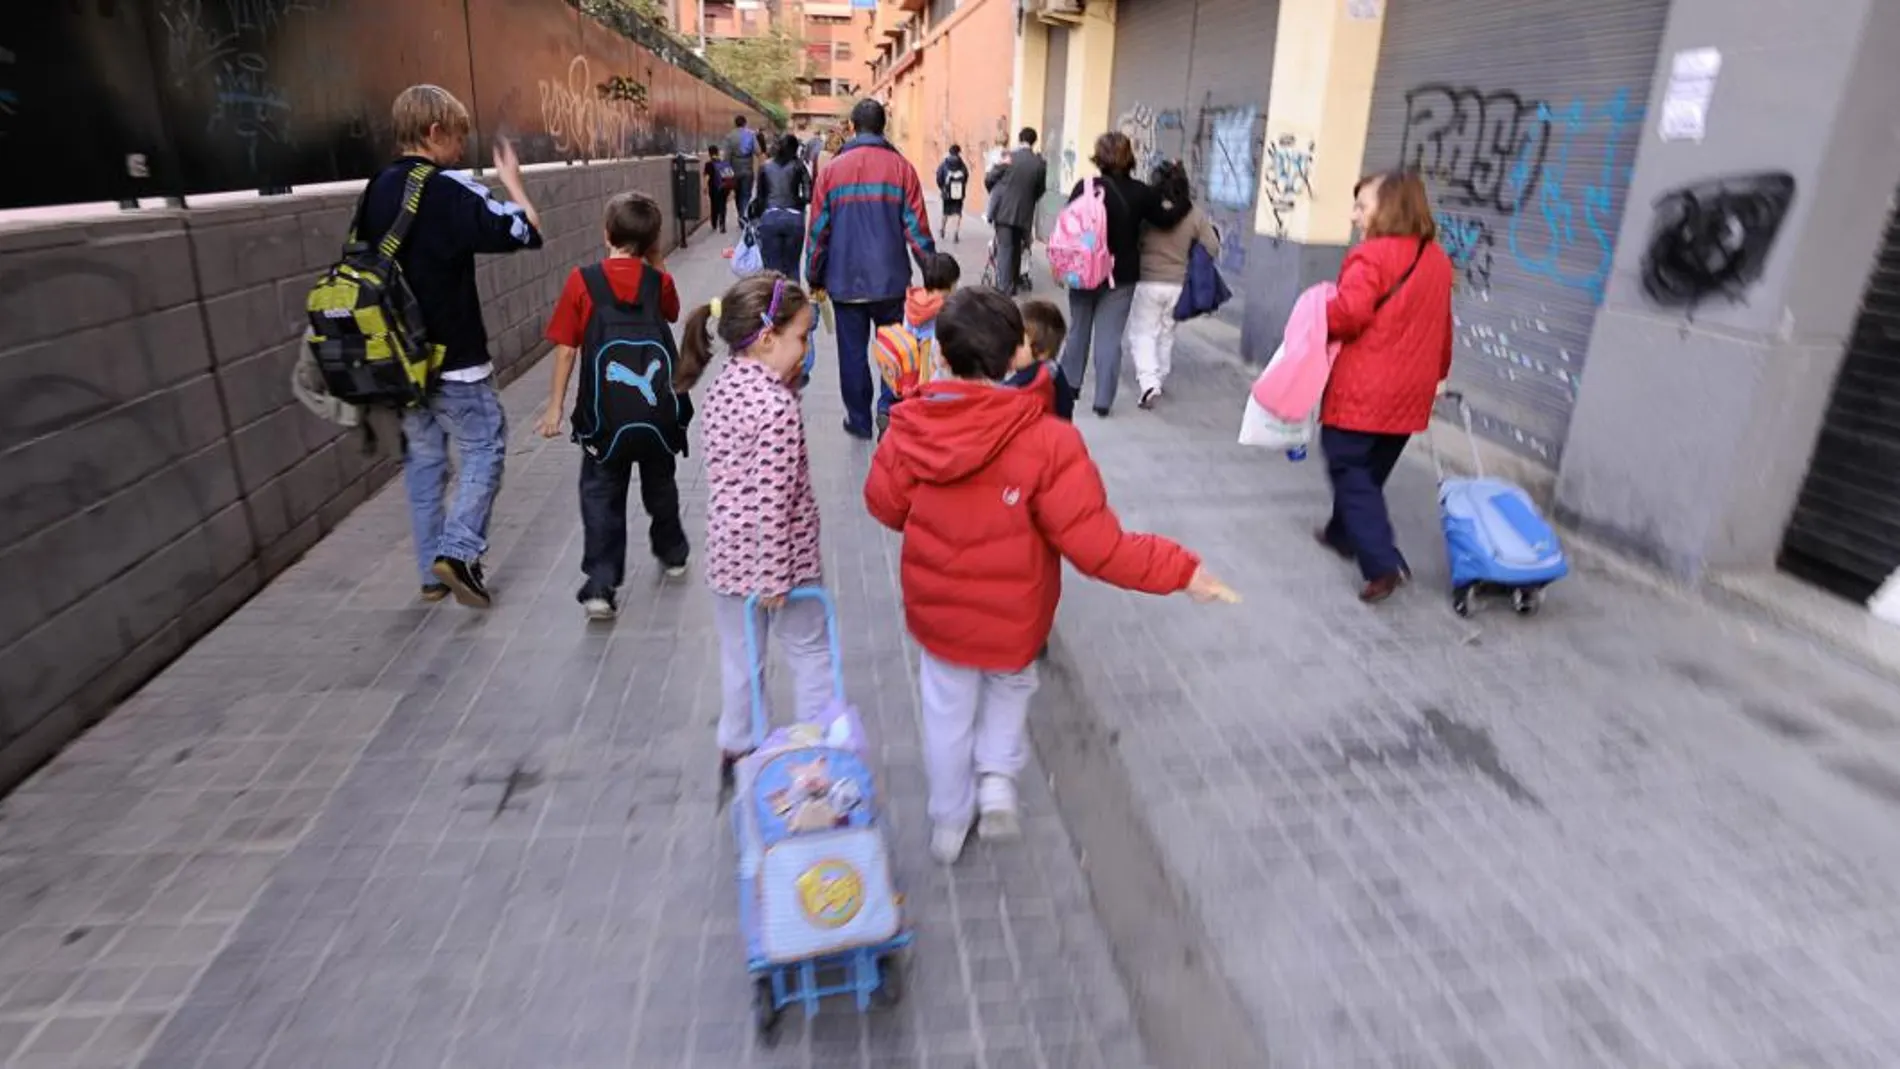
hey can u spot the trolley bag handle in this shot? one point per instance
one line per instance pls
(1471, 438)
(756, 660)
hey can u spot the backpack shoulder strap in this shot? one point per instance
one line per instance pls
(649, 296)
(406, 212)
(599, 290)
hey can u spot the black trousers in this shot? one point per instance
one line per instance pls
(1010, 243)
(604, 519)
(718, 196)
(1358, 464)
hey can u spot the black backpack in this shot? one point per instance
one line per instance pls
(366, 331)
(626, 409)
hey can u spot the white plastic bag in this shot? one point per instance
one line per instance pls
(746, 258)
(1261, 428)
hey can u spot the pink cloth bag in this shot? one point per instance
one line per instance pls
(1293, 382)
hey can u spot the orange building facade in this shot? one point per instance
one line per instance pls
(944, 71)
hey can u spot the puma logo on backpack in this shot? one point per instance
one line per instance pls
(1078, 247)
(627, 409)
(366, 332)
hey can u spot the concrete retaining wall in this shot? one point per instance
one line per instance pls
(155, 470)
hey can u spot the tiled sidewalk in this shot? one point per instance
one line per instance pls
(1632, 831)
(350, 830)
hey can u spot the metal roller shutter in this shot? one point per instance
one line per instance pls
(1524, 116)
(1190, 82)
(1845, 535)
(1053, 90)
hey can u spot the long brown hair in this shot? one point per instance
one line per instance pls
(1402, 209)
(742, 319)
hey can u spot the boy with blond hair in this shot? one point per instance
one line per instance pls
(456, 218)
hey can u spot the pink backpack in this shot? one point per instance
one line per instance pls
(1078, 248)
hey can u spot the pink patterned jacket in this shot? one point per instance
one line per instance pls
(762, 522)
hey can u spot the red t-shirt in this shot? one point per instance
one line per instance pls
(568, 325)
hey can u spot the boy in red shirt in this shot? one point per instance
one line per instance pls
(634, 225)
(991, 492)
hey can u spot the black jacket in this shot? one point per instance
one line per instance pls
(1131, 202)
(1016, 187)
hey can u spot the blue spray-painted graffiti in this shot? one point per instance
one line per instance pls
(1527, 192)
(1467, 240)
(250, 104)
(1286, 178)
(1233, 163)
(1542, 247)
(1156, 136)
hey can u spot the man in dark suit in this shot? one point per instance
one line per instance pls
(1016, 187)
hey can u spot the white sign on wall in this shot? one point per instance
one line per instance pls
(1362, 9)
(1685, 109)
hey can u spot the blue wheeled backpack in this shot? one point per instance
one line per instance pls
(627, 408)
(1495, 539)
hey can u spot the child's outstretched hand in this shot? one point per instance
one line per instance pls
(1205, 588)
(772, 602)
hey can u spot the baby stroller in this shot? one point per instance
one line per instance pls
(817, 905)
(1023, 282)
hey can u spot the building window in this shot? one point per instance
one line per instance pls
(841, 50)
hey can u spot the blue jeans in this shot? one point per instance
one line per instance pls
(1358, 463)
(856, 322)
(470, 415)
(781, 239)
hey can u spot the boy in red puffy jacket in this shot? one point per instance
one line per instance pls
(991, 491)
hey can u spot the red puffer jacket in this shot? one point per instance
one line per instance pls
(991, 491)
(1392, 357)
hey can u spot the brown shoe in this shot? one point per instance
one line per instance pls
(1382, 588)
(1319, 535)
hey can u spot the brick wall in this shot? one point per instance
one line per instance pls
(155, 470)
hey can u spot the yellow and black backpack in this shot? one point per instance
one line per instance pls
(366, 332)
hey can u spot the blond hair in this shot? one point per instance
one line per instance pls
(419, 108)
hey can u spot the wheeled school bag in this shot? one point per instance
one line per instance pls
(366, 331)
(626, 408)
(1495, 539)
(818, 906)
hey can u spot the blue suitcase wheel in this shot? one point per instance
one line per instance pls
(890, 982)
(1461, 601)
(1525, 600)
(765, 1011)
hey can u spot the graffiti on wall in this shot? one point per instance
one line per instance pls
(593, 118)
(1221, 148)
(1526, 188)
(1711, 238)
(1156, 136)
(9, 99)
(1517, 172)
(1287, 178)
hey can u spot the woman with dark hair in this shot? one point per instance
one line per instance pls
(1164, 264)
(778, 203)
(1392, 318)
(1098, 318)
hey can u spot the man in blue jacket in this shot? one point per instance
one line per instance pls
(868, 225)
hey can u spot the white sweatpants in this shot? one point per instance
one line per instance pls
(800, 627)
(1151, 332)
(973, 725)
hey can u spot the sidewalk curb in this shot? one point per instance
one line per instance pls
(1187, 1011)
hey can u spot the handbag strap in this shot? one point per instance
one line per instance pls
(1422, 242)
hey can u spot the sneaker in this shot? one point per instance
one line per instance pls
(1100, 412)
(883, 424)
(1148, 397)
(674, 564)
(600, 607)
(946, 842)
(434, 592)
(464, 580)
(854, 432)
(996, 809)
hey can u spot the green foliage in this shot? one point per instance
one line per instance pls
(767, 66)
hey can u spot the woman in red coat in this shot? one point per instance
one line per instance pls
(1392, 318)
